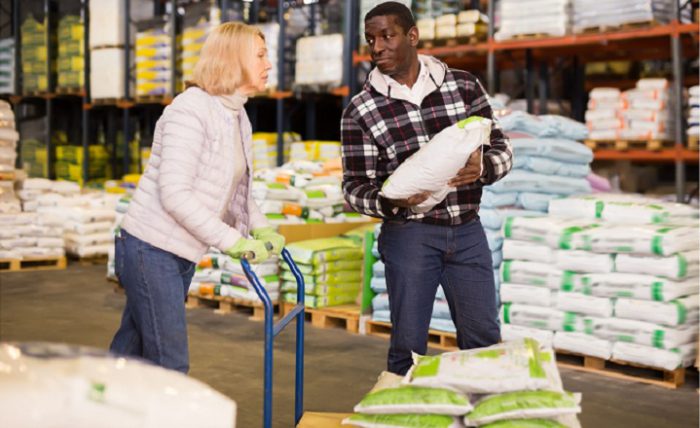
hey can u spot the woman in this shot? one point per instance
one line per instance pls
(194, 194)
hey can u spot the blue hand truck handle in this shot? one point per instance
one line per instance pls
(273, 329)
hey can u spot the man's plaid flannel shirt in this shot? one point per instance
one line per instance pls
(379, 133)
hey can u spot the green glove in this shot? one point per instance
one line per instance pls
(268, 234)
(252, 249)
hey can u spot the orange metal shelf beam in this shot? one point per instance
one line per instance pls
(668, 155)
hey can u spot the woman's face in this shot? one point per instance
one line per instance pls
(260, 66)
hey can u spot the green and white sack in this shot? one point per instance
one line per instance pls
(532, 316)
(523, 405)
(633, 286)
(582, 343)
(644, 333)
(682, 356)
(505, 367)
(527, 295)
(673, 313)
(414, 399)
(583, 261)
(403, 421)
(587, 305)
(511, 332)
(529, 423)
(550, 231)
(531, 273)
(646, 213)
(679, 266)
(319, 251)
(327, 267)
(528, 251)
(648, 240)
(331, 278)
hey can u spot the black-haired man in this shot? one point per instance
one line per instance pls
(407, 99)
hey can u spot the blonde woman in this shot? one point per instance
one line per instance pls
(194, 194)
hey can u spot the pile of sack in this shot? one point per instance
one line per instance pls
(332, 270)
(607, 276)
(642, 113)
(319, 61)
(589, 14)
(513, 383)
(441, 319)
(694, 112)
(154, 71)
(466, 23)
(218, 274)
(265, 148)
(27, 235)
(533, 17)
(8, 155)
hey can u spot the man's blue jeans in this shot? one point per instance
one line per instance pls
(153, 324)
(418, 257)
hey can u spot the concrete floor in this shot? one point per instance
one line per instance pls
(78, 306)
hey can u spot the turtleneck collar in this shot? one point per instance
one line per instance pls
(234, 101)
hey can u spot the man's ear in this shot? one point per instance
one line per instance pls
(413, 36)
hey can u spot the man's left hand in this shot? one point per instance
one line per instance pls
(471, 171)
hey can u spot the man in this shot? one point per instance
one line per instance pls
(407, 99)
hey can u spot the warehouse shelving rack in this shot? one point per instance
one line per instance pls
(673, 41)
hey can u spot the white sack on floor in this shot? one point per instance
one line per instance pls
(673, 313)
(682, 356)
(584, 344)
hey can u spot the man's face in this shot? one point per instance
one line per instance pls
(391, 48)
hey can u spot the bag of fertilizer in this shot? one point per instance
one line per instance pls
(332, 278)
(403, 421)
(414, 399)
(633, 286)
(583, 261)
(523, 404)
(531, 273)
(532, 316)
(584, 344)
(505, 367)
(527, 294)
(651, 239)
(510, 332)
(528, 251)
(535, 423)
(679, 266)
(554, 232)
(587, 305)
(319, 251)
(646, 213)
(673, 313)
(682, 356)
(437, 162)
(644, 333)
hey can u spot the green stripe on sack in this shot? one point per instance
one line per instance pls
(682, 311)
(508, 227)
(657, 291)
(682, 266)
(427, 367)
(536, 369)
(567, 236)
(658, 338)
(657, 245)
(567, 281)
(506, 270)
(599, 206)
(569, 322)
(506, 312)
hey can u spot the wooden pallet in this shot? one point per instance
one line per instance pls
(532, 36)
(106, 101)
(629, 144)
(322, 420)
(609, 28)
(71, 91)
(436, 339)
(89, 261)
(7, 176)
(451, 42)
(154, 99)
(344, 316)
(28, 264)
(671, 379)
(226, 305)
(693, 143)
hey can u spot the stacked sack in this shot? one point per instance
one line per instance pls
(604, 116)
(7, 66)
(69, 163)
(37, 192)
(694, 112)
(265, 148)
(332, 270)
(218, 275)
(314, 151)
(510, 384)
(618, 274)
(530, 17)
(319, 61)
(35, 70)
(441, 319)
(648, 116)
(153, 60)
(466, 23)
(71, 52)
(30, 235)
(8, 155)
(593, 14)
(199, 20)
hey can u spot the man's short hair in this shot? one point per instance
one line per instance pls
(403, 15)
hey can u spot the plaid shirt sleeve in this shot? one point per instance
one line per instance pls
(360, 185)
(498, 158)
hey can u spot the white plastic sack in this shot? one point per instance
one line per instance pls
(531, 273)
(437, 162)
(532, 316)
(673, 313)
(527, 295)
(528, 251)
(643, 333)
(633, 286)
(582, 343)
(679, 266)
(583, 261)
(682, 356)
(514, 332)
(652, 239)
(582, 304)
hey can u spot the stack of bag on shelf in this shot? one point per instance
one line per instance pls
(71, 53)
(69, 163)
(611, 276)
(199, 20)
(434, 8)
(154, 71)
(533, 17)
(512, 384)
(592, 14)
(441, 319)
(7, 66)
(604, 116)
(35, 69)
(319, 61)
(303, 192)
(694, 112)
(332, 269)
(466, 23)
(265, 148)
(218, 275)
(8, 155)
(30, 235)
(38, 192)
(314, 151)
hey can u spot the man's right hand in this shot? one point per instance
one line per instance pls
(410, 202)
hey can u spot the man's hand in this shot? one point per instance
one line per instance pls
(410, 202)
(471, 171)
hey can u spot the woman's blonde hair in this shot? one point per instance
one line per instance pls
(223, 62)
